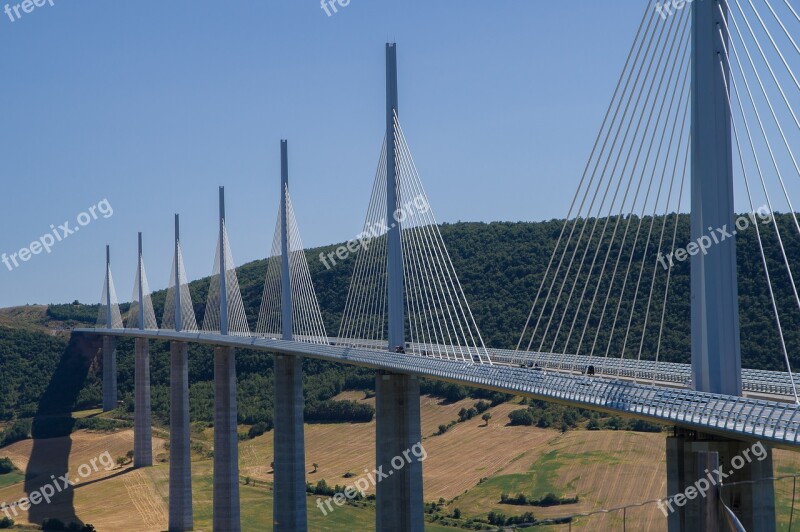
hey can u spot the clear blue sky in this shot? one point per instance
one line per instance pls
(152, 105)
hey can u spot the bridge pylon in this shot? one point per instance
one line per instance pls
(142, 424)
(109, 316)
(226, 505)
(716, 352)
(399, 494)
(180, 452)
(289, 504)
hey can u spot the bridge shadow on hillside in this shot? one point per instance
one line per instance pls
(52, 426)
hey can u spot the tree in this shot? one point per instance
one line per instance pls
(615, 423)
(481, 406)
(258, 429)
(315, 466)
(521, 417)
(6, 466)
(486, 417)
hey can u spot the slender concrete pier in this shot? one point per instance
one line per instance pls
(180, 452)
(226, 451)
(109, 373)
(716, 352)
(142, 425)
(692, 457)
(399, 494)
(289, 506)
(109, 347)
(180, 457)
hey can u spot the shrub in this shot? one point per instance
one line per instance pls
(551, 499)
(496, 518)
(520, 499)
(498, 398)
(101, 424)
(258, 429)
(331, 411)
(6, 466)
(464, 414)
(20, 430)
(615, 423)
(643, 426)
(521, 417)
(545, 421)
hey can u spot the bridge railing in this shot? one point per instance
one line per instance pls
(740, 417)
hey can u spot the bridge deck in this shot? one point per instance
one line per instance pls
(777, 383)
(734, 417)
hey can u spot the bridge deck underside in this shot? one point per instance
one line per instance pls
(735, 417)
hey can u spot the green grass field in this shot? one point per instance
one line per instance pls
(11, 478)
(256, 510)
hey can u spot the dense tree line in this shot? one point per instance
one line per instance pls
(500, 266)
(338, 412)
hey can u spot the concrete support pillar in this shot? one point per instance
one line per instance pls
(180, 453)
(399, 495)
(142, 425)
(692, 457)
(289, 506)
(109, 373)
(226, 440)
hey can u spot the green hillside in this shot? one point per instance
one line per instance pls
(500, 266)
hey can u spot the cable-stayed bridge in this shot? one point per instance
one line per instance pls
(703, 120)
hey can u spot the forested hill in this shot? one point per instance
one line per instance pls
(500, 266)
